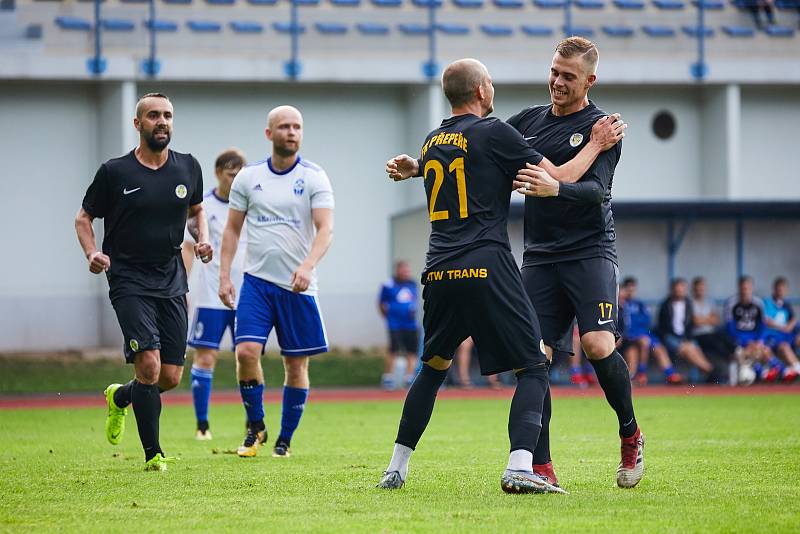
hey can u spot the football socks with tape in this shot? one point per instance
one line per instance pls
(253, 399)
(612, 374)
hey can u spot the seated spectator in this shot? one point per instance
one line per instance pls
(756, 7)
(675, 322)
(706, 331)
(745, 320)
(637, 341)
(781, 335)
(398, 304)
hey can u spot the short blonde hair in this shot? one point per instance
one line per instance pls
(580, 47)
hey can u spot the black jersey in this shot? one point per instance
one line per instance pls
(145, 214)
(577, 224)
(468, 165)
(747, 318)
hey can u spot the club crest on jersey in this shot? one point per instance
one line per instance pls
(299, 186)
(575, 140)
(134, 345)
(181, 191)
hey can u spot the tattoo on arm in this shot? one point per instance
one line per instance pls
(193, 227)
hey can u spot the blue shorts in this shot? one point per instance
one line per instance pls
(775, 338)
(742, 339)
(652, 339)
(209, 326)
(296, 318)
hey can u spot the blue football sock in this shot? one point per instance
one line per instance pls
(642, 369)
(253, 399)
(201, 392)
(294, 402)
(775, 363)
(669, 371)
(576, 370)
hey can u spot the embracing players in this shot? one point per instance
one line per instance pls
(212, 318)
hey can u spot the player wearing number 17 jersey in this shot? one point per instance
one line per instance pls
(472, 284)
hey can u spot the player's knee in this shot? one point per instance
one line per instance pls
(205, 358)
(597, 345)
(248, 354)
(439, 363)
(296, 368)
(147, 365)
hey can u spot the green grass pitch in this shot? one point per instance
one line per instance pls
(713, 464)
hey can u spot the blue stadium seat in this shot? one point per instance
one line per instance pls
(590, 4)
(134, 1)
(452, 29)
(779, 31)
(34, 31)
(581, 31)
(739, 31)
(694, 31)
(288, 28)
(427, 3)
(372, 28)
(787, 5)
(247, 27)
(331, 28)
(413, 29)
(550, 4)
(387, 3)
(221, 2)
(657, 30)
(629, 4)
(306, 2)
(262, 2)
(509, 4)
(714, 5)
(468, 3)
(497, 30)
(669, 5)
(618, 31)
(73, 24)
(204, 26)
(346, 3)
(117, 25)
(161, 25)
(533, 30)
(176, 2)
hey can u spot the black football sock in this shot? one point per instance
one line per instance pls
(147, 409)
(612, 374)
(418, 407)
(541, 455)
(525, 418)
(122, 397)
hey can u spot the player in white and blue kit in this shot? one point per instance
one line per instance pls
(288, 205)
(212, 318)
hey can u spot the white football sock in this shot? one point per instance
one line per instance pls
(520, 460)
(796, 367)
(400, 458)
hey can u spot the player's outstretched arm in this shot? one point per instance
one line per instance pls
(606, 132)
(402, 167)
(323, 222)
(230, 242)
(98, 262)
(198, 229)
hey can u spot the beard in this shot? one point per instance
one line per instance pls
(156, 145)
(285, 151)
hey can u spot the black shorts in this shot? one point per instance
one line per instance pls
(151, 323)
(480, 294)
(403, 341)
(583, 289)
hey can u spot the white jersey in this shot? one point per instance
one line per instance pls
(280, 229)
(205, 293)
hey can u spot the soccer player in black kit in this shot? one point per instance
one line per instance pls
(472, 284)
(144, 198)
(569, 266)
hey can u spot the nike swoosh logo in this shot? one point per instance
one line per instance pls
(529, 138)
(126, 192)
(115, 436)
(601, 323)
